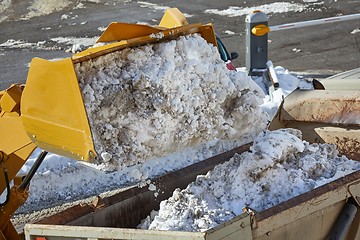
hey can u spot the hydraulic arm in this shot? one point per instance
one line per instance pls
(15, 148)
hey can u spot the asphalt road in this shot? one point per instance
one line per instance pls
(320, 49)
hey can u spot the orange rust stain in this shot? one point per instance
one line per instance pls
(348, 147)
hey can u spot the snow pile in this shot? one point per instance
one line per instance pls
(4, 4)
(153, 100)
(87, 42)
(21, 44)
(280, 166)
(276, 7)
(11, 43)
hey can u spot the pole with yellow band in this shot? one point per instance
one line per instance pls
(256, 43)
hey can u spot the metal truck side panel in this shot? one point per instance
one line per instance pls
(127, 208)
(323, 116)
(55, 232)
(239, 226)
(323, 203)
(312, 226)
(307, 216)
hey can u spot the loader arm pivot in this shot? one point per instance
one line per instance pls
(15, 148)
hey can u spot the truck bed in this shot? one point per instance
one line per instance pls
(307, 216)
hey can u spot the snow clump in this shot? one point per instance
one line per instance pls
(153, 100)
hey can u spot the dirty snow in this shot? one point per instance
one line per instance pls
(153, 100)
(276, 7)
(280, 166)
(355, 31)
(229, 32)
(75, 40)
(21, 44)
(72, 42)
(4, 4)
(45, 7)
(12, 43)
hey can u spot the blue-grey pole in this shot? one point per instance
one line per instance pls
(256, 43)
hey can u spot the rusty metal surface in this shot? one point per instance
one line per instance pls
(324, 106)
(349, 146)
(126, 209)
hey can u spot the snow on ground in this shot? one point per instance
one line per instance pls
(276, 7)
(45, 7)
(280, 166)
(4, 4)
(55, 181)
(11, 43)
(355, 31)
(229, 32)
(36, 8)
(72, 42)
(87, 42)
(158, 7)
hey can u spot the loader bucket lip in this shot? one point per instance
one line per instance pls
(206, 31)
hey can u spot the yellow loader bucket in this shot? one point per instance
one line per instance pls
(52, 107)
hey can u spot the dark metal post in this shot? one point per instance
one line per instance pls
(25, 183)
(256, 43)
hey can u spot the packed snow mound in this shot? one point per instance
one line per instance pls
(157, 99)
(279, 166)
